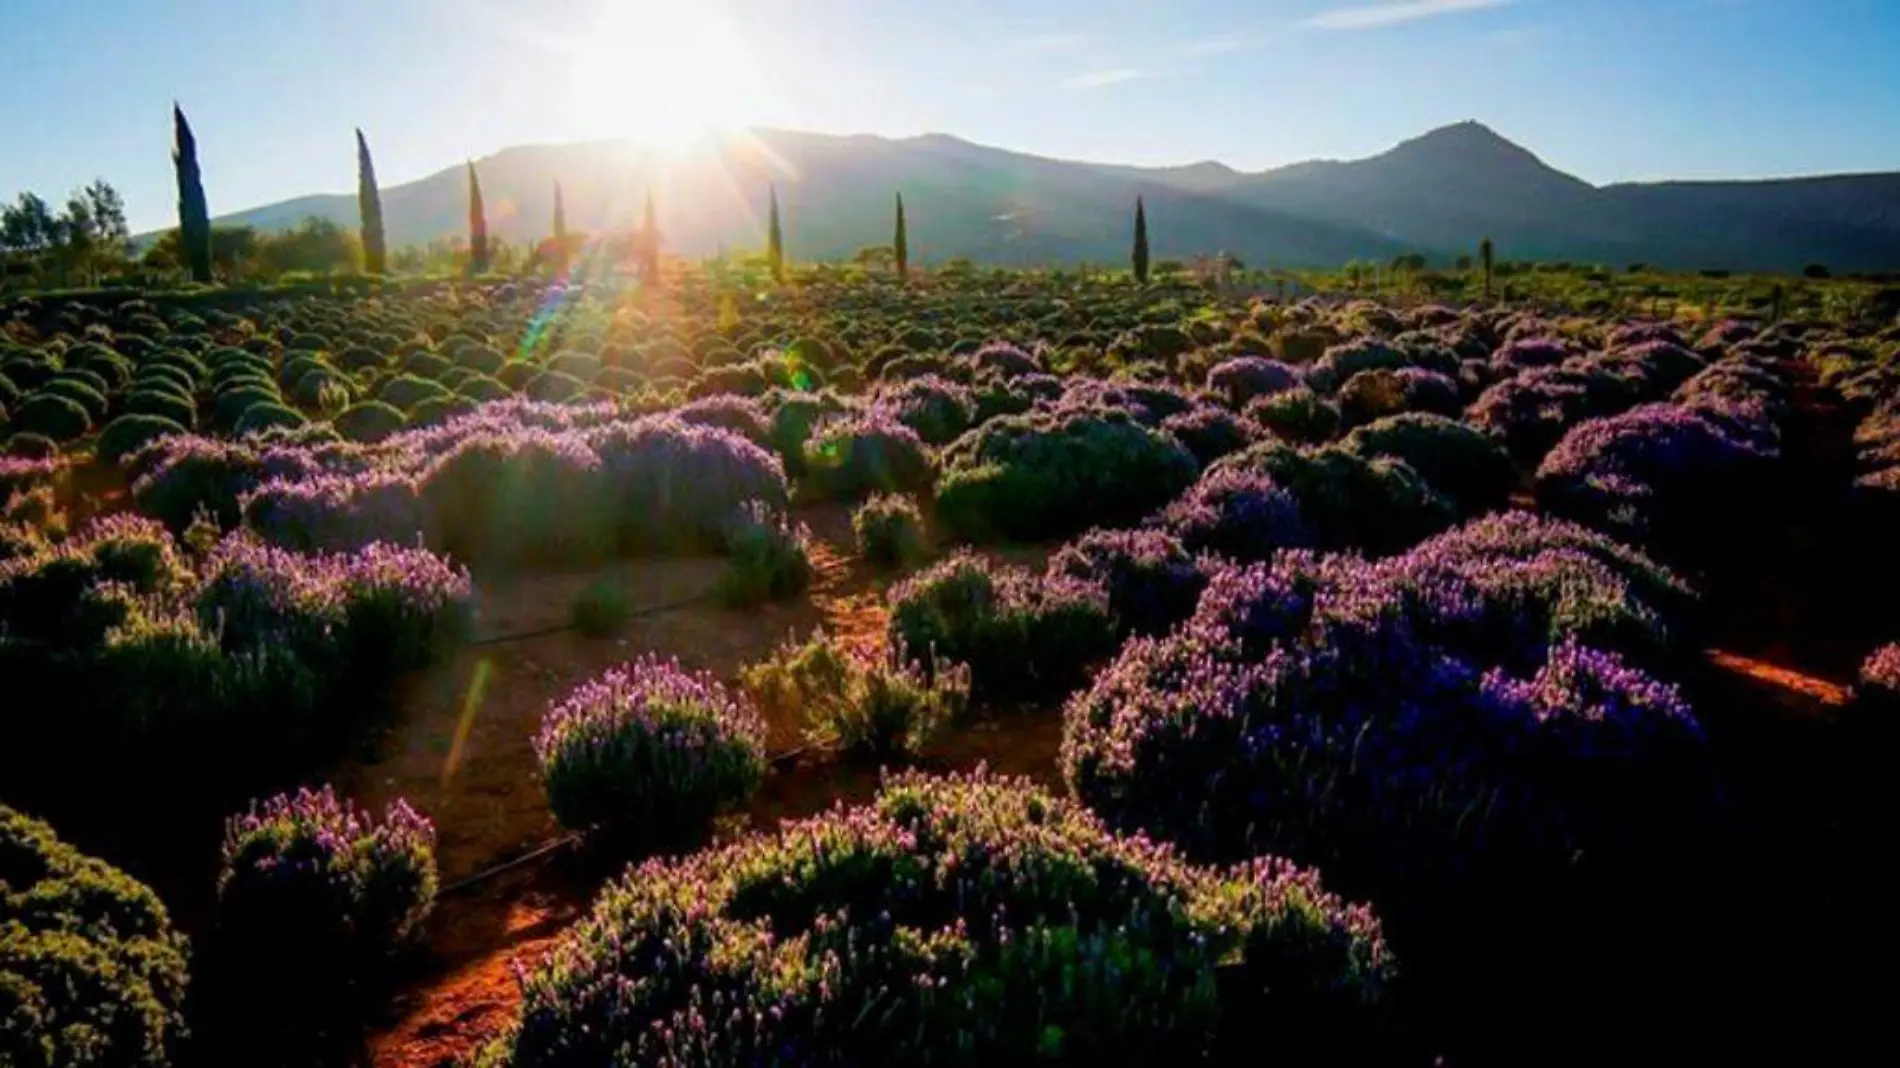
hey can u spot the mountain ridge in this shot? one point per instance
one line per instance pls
(1435, 194)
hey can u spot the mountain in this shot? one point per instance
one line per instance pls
(1436, 194)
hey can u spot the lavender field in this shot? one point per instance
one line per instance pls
(991, 668)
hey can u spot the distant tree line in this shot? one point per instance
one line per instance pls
(88, 240)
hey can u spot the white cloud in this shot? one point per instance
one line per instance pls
(1373, 16)
(1214, 46)
(1097, 79)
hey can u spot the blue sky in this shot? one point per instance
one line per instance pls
(1610, 90)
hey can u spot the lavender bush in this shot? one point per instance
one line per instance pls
(879, 706)
(1021, 638)
(1032, 477)
(648, 754)
(889, 531)
(968, 920)
(311, 882)
(1151, 579)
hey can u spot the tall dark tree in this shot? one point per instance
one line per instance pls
(1486, 253)
(477, 225)
(560, 218)
(649, 242)
(774, 240)
(1141, 242)
(900, 242)
(369, 204)
(194, 216)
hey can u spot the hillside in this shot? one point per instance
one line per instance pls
(1436, 194)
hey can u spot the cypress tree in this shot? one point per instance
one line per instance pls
(1485, 253)
(369, 204)
(194, 217)
(900, 242)
(1141, 242)
(774, 241)
(477, 225)
(649, 242)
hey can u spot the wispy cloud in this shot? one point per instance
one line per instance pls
(1214, 46)
(1394, 12)
(1097, 79)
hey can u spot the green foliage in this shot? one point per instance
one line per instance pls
(194, 217)
(767, 558)
(55, 417)
(369, 204)
(91, 972)
(1141, 242)
(601, 610)
(128, 433)
(368, 422)
(880, 708)
(889, 531)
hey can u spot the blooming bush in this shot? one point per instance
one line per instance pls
(855, 457)
(878, 706)
(648, 754)
(1378, 505)
(1661, 474)
(1151, 579)
(1238, 514)
(890, 531)
(968, 920)
(1371, 395)
(1532, 412)
(1318, 709)
(309, 881)
(769, 559)
(1208, 432)
(1470, 469)
(1021, 638)
(91, 971)
(1877, 688)
(1041, 476)
(1243, 378)
(1298, 415)
(938, 409)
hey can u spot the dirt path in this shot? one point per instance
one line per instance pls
(461, 752)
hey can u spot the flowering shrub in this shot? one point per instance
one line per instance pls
(129, 433)
(938, 409)
(176, 477)
(857, 456)
(965, 920)
(309, 881)
(890, 531)
(1031, 477)
(1877, 688)
(1661, 474)
(1298, 415)
(1243, 378)
(1318, 709)
(1208, 432)
(1241, 515)
(1522, 354)
(1152, 581)
(1532, 412)
(1378, 505)
(649, 754)
(91, 971)
(1342, 361)
(1022, 638)
(1371, 395)
(769, 559)
(878, 706)
(1470, 469)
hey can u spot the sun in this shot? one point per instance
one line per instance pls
(664, 73)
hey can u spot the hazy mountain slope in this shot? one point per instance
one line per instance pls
(1438, 194)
